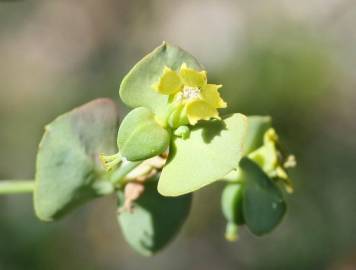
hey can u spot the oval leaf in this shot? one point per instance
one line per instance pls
(67, 160)
(140, 136)
(154, 220)
(263, 202)
(136, 88)
(257, 126)
(212, 150)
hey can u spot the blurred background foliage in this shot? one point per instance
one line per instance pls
(294, 60)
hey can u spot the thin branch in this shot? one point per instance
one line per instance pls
(16, 186)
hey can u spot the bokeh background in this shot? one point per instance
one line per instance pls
(294, 60)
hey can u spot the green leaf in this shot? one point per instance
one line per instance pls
(263, 202)
(140, 136)
(68, 172)
(257, 126)
(154, 221)
(136, 88)
(212, 150)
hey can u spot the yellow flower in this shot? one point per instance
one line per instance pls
(271, 160)
(190, 95)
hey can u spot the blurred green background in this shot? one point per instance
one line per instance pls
(294, 60)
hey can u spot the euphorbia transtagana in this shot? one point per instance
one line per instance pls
(172, 143)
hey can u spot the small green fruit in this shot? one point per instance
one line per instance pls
(231, 205)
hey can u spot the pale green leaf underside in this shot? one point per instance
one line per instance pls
(155, 220)
(136, 88)
(263, 202)
(67, 159)
(212, 150)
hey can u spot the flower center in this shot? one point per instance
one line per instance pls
(189, 93)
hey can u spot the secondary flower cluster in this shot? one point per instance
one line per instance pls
(270, 158)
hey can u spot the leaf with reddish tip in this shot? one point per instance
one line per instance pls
(68, 167)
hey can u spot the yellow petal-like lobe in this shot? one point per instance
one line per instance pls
(200, 110)
(192, 77)
(283, 176)
(211, 95)
(169, 83)
(190, 96)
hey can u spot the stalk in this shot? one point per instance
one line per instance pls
(16, 186)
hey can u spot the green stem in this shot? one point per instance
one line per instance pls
(119, 175)
(16, 186)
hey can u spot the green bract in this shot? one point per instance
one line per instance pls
(263, 202)
(154, 220)
(68, 170)
(136, 89)
(140, 136)
(212, 150)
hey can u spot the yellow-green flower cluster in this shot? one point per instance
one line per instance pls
(191, 97)
(271, 160)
